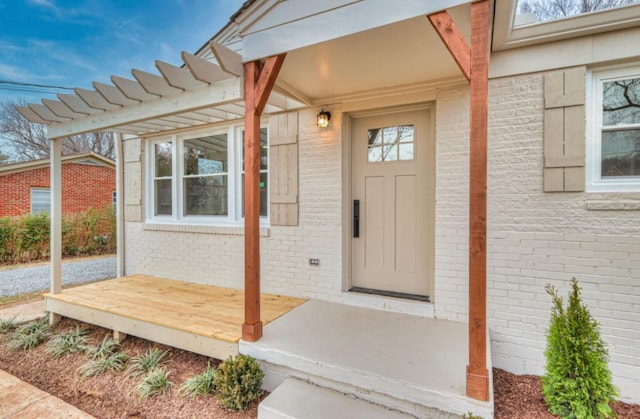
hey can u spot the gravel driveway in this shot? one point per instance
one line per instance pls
(77, 271)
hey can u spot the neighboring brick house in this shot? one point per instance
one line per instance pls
(88, 181)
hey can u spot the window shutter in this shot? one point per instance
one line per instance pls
(283, 169)
(564, 130)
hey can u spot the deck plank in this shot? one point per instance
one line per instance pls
(200, 309)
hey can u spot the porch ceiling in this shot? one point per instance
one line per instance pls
(401, 54)
(199, 93)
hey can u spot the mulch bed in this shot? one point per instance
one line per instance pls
(112, 395)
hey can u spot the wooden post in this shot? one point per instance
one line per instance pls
(258, 81)
(477, 374)
(474, 63)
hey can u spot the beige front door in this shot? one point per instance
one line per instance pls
(393, 204)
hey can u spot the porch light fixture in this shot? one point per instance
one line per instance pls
(323, 118)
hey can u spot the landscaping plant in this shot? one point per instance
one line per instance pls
(104, 357)
(577, 380)
(71, 342)
(155, 382)
(8, 325)
(147, 362)
(30, 335)
(200, 384)
(238, 382)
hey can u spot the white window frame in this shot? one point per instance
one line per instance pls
(48, 207)
(234, 216)
(594, 180)
(506, 35)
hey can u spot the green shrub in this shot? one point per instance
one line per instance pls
(238, 382)
(26, 238)
(200, 384)
(7, 244)
(577, 380)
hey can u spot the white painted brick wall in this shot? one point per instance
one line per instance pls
(218, 259)
(535, 238)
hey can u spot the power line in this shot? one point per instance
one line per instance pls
(23, 84)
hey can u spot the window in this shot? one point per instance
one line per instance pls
(613, 152)
(40, 200)
(529, 22)
(200, 179)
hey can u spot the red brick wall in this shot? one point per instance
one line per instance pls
(83, 186)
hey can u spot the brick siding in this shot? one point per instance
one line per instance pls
(83, 186)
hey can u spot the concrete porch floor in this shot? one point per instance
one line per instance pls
(408, 363)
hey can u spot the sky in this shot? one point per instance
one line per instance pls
(71, 43)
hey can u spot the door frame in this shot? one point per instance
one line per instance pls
(347, 178)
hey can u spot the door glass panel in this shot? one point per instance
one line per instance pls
(390, 143)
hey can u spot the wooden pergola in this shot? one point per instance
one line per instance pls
(202, 93)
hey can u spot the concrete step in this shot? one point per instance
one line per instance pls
(299, 399)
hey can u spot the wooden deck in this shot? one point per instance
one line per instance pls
(195, 317)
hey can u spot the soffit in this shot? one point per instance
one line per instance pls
(401, 54)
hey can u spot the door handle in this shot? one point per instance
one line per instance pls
(356, 218)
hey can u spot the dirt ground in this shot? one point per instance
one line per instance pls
(111, 395)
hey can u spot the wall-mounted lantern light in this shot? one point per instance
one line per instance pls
(323, 118)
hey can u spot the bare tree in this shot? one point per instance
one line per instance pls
(28, 141)
(546, 10)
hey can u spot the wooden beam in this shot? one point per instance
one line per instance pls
(258, 82)
(477, 374)
(453, 39)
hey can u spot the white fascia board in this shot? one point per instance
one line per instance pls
(222, 92)
(334, 23)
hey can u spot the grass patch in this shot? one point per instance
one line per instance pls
(147, 362)
(72, 342)
(30, 335)
(156, 382)
(95, 367)
(8, 325)
(199, 384)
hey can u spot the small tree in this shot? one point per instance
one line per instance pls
(577, 382)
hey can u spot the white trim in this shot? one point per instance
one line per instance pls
(594, 180)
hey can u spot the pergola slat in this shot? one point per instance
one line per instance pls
(154, 84)
(178, 77)
(218, 94)
(216, 113)
(31, 115)
(60, 109)
(112, 94)
(230, 61)
(76, 104)
(204, 70)
(95, 100)
(132, 89)
(45, 113)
